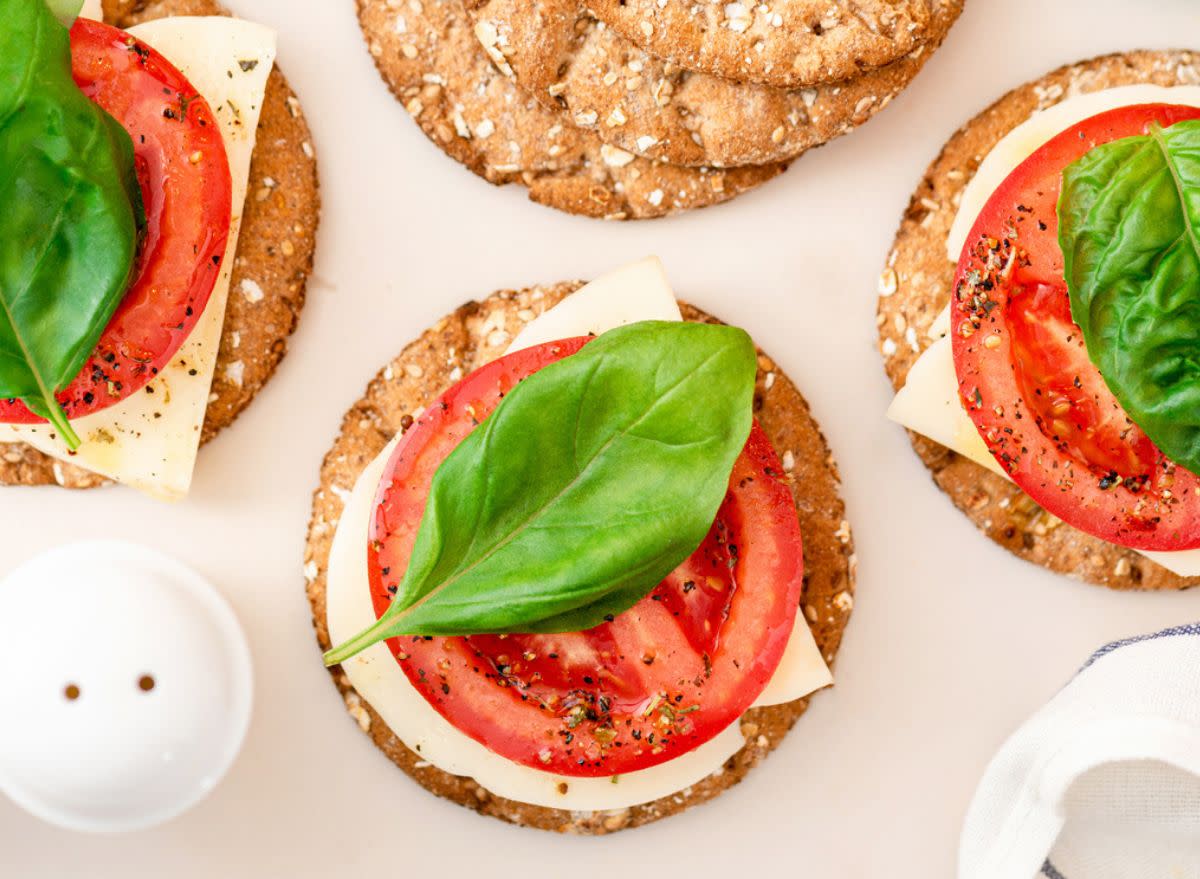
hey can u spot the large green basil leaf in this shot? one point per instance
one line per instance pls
(71, 212)
(589, 483)
(1129, 228)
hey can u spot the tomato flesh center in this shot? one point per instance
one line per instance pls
(591, 668)
(699, 593)
(652, 683)
(1071, 404)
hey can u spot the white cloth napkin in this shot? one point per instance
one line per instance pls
(1104, 781)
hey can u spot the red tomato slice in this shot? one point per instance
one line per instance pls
(1023, 370)
(656, 681)
(186, 187)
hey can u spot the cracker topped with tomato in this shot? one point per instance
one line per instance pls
(643, 702)
(1048, 284)
(150, 326)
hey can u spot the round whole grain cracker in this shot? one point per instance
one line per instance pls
(428, 55)
(784, 43)
(270, 274)
(916, 286)
(477, 333)
(631, 99)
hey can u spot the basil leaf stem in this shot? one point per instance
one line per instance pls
(592, 480)
(46, 406)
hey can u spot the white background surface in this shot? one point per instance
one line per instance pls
(952, 644)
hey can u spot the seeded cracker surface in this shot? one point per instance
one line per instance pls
(915, 286)
(274, 258)
(566, 59)
(477, 333)
(427, 53)
(784, 43)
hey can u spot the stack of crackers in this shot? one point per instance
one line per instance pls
(631, 109)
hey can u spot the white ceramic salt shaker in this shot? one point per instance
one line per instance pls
(125, 686)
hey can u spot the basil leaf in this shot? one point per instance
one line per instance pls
(71, 213)
(1129, 229)
(592, 480)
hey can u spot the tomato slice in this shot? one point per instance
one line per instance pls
(186, 187)
(1023, 370)
(656, 681)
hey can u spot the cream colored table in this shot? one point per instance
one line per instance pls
(953, 642)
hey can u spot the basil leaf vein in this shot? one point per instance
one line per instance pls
(592, 480)
(1128, 215)
(72, 213)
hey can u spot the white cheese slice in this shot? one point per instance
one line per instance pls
(379, 680)
(92, 9)
(149, 440)
(1185, 563)
(1044, 125)
(928, 404)
(639, 291)
(801, 670)
(941, 324)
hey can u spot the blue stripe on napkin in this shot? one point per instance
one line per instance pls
(1050, 873)
(1190, 629)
